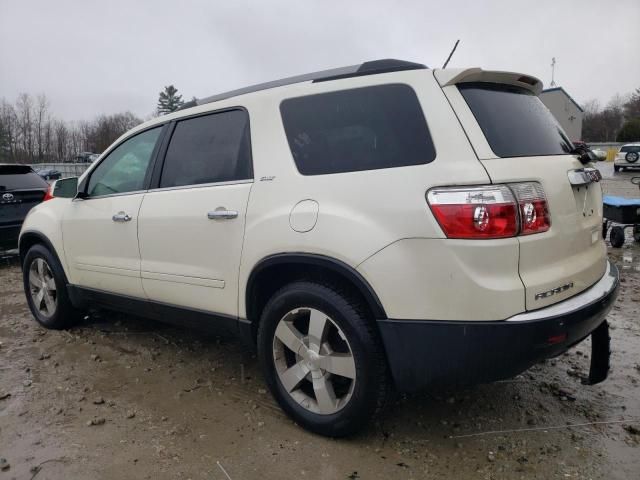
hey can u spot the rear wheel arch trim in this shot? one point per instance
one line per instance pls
(336, 266)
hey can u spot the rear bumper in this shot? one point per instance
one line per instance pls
(9, 236)
(426, 353)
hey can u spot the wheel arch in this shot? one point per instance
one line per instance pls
(30, 238)
(274, 271)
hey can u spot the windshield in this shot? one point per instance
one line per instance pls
(514, 120)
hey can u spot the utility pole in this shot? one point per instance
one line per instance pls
(553, 71)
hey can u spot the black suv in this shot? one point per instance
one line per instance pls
(20, 189)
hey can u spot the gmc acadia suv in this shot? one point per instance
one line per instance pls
(377, 227)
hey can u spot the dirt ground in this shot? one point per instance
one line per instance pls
(121, 397)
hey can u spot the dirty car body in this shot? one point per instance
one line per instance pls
(378, 221)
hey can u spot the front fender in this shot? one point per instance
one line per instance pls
(43, 224)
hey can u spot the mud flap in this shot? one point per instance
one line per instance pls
(600, 353)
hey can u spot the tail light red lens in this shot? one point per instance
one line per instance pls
(475, 212)
(491, 211)
(532, 203)
(48, 194)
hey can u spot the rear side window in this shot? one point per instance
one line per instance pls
(514, 120)
(20, 177)
(630, 148)
(208, 149)
(353, 130)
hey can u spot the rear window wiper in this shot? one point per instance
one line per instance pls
(584, 154)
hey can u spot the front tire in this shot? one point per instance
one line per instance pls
(616, 169)
(45, 287)
(322, 358)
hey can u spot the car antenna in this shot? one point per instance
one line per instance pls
(450, 55)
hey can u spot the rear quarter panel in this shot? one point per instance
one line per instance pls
(359, 213)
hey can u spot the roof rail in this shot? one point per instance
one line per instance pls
(367, 68)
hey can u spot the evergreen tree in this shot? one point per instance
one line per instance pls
(169, 100)
(630, 131)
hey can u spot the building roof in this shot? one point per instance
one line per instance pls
(366, 68)
(560, 89)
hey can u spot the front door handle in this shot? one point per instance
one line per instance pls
(121, 217)
(222, 213)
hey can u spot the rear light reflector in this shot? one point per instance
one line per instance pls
(532, 203)
(475, 212)
(48, 194)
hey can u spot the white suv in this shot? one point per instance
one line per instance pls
(627, 157)
(372, 227)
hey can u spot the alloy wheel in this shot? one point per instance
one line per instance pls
(314, 361)
(42, 287)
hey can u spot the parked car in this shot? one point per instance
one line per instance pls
(20, 189)
(367, 228)
(49, 173)
(85, 157)
(627, 157)
(600, 154)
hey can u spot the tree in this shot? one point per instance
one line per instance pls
(169, 100)
(630, 131)
(632, 107)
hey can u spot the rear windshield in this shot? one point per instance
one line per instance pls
(359, 129)
(19, 177)
(514, 120)
(630, 148)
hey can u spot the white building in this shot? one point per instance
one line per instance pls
(566, 110)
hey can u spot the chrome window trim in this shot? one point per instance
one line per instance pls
(166, 189)
(201, 185)
(98, 197)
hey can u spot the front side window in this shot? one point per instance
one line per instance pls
(514, 121)
(125, 168)
(360, 129)
(208, 149)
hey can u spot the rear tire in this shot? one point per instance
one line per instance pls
(616, 169)
(616, 237)
(45, 287)
(306, 384)
(636, 233)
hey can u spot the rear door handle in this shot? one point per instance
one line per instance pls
(222, 213)
(121, 217)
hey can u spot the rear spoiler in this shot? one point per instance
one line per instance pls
(455, 76)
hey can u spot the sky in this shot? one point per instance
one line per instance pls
(91, 57)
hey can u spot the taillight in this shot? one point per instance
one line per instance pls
(534, 212)
(491, 211)
(475, 212)
(48, 195)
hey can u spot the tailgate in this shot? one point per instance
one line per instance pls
(571, 255)
(517, 139)
(15, 205)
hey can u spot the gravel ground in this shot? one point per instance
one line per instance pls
(121, 397)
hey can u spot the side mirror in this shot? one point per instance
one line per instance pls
(66, 188)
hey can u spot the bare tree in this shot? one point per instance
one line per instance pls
(24, 110)
(41, 108)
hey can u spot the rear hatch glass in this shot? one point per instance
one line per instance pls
(19, 177)
(514, 120)
(530, 146)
